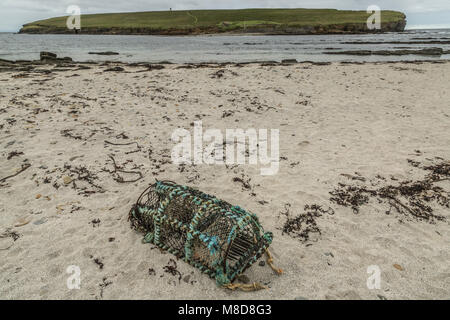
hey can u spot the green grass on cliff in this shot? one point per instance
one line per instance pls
(223, 19)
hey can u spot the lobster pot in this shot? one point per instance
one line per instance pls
(212, 235)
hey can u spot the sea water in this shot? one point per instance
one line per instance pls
(218, 48)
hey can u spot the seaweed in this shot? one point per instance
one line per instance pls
(14, 154)
(10, 234)
(409, 198)
(171, 268)
(82, 174)
(304, 224)
(120, 169)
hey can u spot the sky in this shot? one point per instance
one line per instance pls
(15, 13)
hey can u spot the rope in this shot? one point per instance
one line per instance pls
(255, 286)
(270, 263)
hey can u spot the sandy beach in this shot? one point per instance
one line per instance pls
(78, 145)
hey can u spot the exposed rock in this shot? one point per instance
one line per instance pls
(81, 67)
(116, 69)
(47, 55)
(397, 42)
(105, 53)
(4, 62)
(149, 66)
(52, 57)
(319, 63)
(404, 52)
(289, 61)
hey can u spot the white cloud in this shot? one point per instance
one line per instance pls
(14, 13)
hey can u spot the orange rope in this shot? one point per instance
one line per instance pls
(270, 263)
(255, 286)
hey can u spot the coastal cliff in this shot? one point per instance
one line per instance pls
(245, 21)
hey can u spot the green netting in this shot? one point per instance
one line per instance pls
(212, 235)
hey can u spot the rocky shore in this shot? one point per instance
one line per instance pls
(50, 58)
(398, 52)
(350, 28)
(50, 62)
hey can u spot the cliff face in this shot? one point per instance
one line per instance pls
(353, 28)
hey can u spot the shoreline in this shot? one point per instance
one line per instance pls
(285, 62)
(306, 30)
(237, 48)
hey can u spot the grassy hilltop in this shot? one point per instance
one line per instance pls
(270, 21)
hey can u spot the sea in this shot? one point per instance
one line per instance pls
(223, 48)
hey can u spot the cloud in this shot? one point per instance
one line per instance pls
(14, 13)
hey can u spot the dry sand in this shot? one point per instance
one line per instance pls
(338, 124)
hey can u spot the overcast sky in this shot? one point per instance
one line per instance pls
(14, 13)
